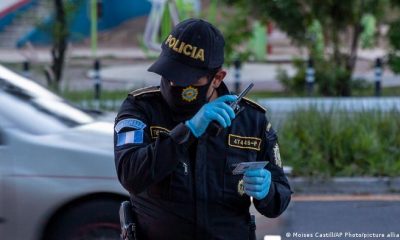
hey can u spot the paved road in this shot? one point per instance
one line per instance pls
(308, 218)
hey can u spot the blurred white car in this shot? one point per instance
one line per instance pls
(58, 179)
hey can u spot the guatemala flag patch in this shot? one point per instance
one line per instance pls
(135, 137)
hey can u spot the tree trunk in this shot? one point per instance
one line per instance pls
(59, 43)
(336, 46)
(354, 46)
(352, 59)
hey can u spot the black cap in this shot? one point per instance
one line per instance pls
(193, 49)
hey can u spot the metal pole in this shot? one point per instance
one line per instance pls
(26, 67)
(378, 77)
(97, 83)
(93, 28)
(310, 76)
(96, 64)
(237, 65)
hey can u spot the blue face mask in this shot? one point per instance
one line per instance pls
(185, 100)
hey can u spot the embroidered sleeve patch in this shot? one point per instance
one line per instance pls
(129, 123)
(156, 130)
(130, 137)
(253, 143)
(135, 136)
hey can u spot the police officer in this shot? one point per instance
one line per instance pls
(178, 174)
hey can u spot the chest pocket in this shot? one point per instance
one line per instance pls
(178, 185)
(160, 189)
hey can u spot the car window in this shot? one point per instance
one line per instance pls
(38, 114)
(19, 83)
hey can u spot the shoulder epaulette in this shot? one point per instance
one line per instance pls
(255, 105)
(146, 90)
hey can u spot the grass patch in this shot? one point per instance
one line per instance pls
(88, 95)
(340, 143)
(109, 100)
(387, 91)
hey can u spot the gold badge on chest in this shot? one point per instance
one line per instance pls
(240, 187)
(277, 155)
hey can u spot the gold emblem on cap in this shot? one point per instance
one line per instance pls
(240, 187)
(189, 94)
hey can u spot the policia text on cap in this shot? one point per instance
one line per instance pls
(179, 176)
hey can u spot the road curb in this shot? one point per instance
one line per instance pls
(346, 185)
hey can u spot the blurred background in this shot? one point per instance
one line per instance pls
(326, 71)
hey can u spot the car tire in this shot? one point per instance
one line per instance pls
(88, 221)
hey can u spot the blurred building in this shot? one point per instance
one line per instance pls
(23, 21)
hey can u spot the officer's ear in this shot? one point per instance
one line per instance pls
(218, 78)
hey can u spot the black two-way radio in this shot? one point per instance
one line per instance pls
(215, 128)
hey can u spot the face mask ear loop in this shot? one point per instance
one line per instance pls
(208, 99)
(211, 79)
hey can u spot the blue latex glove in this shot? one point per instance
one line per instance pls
(257, 183)
(216, 110)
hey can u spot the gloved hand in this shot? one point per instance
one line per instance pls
(257, 183)
(216, 110)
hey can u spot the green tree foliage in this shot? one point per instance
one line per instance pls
(394, 40)
(316, 45)
(258, 41)
(234, 25)
(394, 55)
(367, 36)
(338, 20)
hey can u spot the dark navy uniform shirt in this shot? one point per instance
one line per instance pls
(182, 187)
